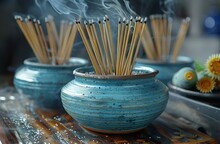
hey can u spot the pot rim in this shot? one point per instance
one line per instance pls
(181, 60)
(72, 62)
(81, 72)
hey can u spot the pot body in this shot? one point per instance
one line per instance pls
(42, 83)
(166, 69)
(114, 105)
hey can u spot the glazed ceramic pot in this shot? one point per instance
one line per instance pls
(115, 104)
(42, 82)
(166, 69)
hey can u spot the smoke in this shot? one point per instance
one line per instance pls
(91, 9)
(167, 7)
(127, 5)
(87, 9)
(73, 8)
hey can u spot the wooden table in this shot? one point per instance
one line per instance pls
(23, 122)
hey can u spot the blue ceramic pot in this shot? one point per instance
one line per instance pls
(42, 82)
(166, 69)
(114, 104)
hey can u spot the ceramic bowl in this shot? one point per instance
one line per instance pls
(167, 69)
(115, 104)
(210, 98)
(42, 82)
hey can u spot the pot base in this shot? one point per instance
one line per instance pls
(111, 132)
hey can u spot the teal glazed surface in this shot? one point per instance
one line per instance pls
(179, 78)
(166, 70)
(115, 104)
(42, 83)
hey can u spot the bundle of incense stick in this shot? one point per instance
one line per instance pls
(106, 57)
(157, 42)
(52, 48)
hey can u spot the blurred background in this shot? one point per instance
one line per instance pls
(202, 39)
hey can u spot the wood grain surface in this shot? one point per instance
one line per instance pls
(23, 122)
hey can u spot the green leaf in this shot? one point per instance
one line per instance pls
(199, 66)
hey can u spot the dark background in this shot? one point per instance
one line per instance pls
(14, 47)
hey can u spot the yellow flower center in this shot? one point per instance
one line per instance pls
(214, 66)
(205, 85)
(189, 75)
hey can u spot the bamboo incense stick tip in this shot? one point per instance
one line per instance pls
(145, 20)
(26, 20)
(99, 21)
(139, 17)
(29, 18)
(50, 16)
(90, 22)
(20, 18)
(152, 17)
(38, 22)
(136, 20)
(104, 18)
(35, 20)
(184, 21)
(16, 17)
(46, 19)
(141, 20)
(119, 19)
(127, 22)
(85, 22)
(131, 18)
(124, 20)
(188, 19)
(107, 18)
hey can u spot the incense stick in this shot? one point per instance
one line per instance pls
(70, 43)
(157, 45)
(104, 41)
(99, 47)
(131, 50)
(123, 63)
(125, 45)
(118, 47)
(138, 44)
(180, 38)
(88, 48)
(58, 49)
(94, 45)
(121, 43)
(110, 48)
